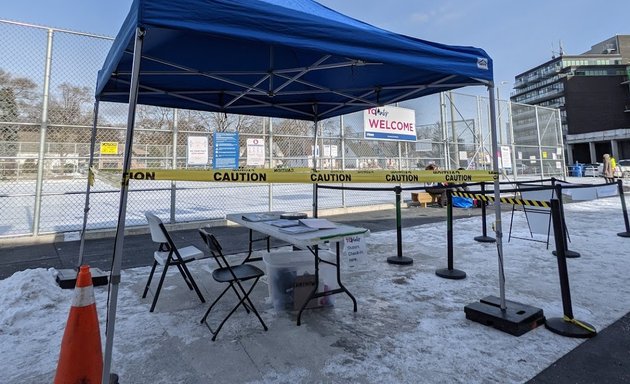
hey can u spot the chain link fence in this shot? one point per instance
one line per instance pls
(47, 81)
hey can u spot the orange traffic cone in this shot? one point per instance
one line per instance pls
(81, 357)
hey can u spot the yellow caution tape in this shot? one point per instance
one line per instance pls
(306, 175)
(578, 323)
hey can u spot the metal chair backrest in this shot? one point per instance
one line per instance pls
(214, 247)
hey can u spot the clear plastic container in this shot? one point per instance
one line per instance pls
(284, 267)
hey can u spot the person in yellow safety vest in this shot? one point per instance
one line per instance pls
(613, 163)
(607, 170)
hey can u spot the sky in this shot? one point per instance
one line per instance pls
(517, 35)
(410, 324)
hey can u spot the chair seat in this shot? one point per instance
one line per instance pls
(242, 272)
(188, 253)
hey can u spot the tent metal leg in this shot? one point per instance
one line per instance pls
(122, 209)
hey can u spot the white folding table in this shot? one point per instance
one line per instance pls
(310, 241)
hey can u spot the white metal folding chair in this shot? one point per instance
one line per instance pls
(168, 254)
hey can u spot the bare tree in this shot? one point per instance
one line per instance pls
(21, 92)
(233, 123)
(72, 105)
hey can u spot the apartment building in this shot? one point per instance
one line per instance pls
(592, 91)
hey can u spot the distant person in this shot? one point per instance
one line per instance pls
(608, 169)
(438, 190)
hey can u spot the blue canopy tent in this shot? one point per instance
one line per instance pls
(280, 58)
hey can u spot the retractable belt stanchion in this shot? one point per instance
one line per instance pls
(566, 325)
(567, 253)
(625, 211)
(450, 273)
(484, 238)
(400, 259)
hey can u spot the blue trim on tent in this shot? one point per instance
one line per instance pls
(277, 58)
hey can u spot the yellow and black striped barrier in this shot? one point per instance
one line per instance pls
(305, 175)
(506, 200)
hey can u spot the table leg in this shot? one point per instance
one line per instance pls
(354, 301)
(313, 293)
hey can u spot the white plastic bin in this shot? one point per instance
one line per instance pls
(283, 268)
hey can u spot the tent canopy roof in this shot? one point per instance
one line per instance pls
(281, 58)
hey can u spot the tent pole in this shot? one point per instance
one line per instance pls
(90, 180)
(122, 209)
(315, 153)
(497, 194)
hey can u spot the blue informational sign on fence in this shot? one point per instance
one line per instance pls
(226, 148)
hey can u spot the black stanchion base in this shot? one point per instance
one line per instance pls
(67, 278)
(516, 319)
(485, 239)
(113, 378)
(623, 234)
(453, 274)
(564, 328)
(400, 260)
(568, 254)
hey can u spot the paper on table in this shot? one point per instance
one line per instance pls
(283, 223)
(318, 223)
(254, 217)
(297, 229)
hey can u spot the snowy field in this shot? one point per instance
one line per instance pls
(63, 202)
(410, 326)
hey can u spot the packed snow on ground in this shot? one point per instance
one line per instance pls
(410, 326)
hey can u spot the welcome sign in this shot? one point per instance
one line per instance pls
(389, 123)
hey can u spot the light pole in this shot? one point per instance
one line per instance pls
(500, 112)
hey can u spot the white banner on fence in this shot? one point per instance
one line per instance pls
(389, 123)
(255, 151)
(330, 150)
(197, 150)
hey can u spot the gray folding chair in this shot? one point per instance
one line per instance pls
(234, 275)
(168, 254)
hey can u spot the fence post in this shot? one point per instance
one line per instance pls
(342, 133)
(174, 166)
(542, 168)
(42, 135)
(270, 196)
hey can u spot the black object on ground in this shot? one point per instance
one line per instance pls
(517, 319)
(67, 278)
